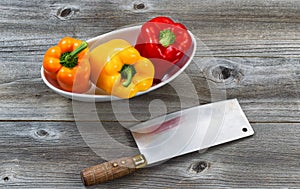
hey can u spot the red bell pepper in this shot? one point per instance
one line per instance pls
(164, 42)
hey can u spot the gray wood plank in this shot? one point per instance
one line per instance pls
(51, 155)
(242, 28)
(268, 90)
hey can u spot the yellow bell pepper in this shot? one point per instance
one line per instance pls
(119, 69)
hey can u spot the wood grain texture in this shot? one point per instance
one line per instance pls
(268, 90)
(247, 50)
(54, 160)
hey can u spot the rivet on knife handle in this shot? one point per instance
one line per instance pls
(111, 170)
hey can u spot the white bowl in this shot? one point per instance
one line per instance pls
(129, 34)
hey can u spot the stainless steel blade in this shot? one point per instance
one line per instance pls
(190, 130)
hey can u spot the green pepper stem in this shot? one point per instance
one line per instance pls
(127, 72)
(70, 58)
(166, 38)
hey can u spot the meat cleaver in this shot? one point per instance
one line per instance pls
(175, 134)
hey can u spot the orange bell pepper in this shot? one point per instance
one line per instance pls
(67, 64)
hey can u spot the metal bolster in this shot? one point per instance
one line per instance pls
(139, 161)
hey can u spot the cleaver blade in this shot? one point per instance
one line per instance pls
(176, 134)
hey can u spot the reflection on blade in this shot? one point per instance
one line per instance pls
(165, 137)
(190, 130)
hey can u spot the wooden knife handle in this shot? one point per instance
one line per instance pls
(111, 170)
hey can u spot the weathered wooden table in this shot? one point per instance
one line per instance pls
(251, 51)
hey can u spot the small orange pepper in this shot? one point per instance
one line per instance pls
(68, 64)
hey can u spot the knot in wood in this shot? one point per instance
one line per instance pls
(222, 72)
(139, 6)
(66, 13)
(198, 167)
(6, 179)
(42, 133)
(226, 73)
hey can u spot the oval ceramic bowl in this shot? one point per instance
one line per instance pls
(97, 95)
